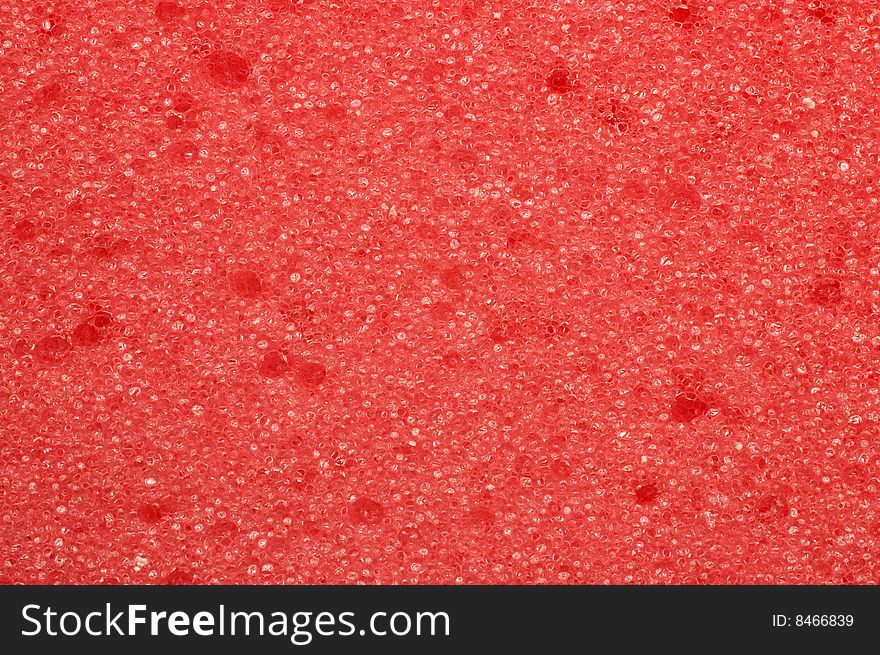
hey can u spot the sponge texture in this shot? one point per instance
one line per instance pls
(324, 291)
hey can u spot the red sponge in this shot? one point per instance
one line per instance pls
(323, 291)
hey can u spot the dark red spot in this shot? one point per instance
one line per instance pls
(174, 122)
(179, 577)
(647, 493)
(521, 238)
(681, 14)
(560, 469)
(274, 364)
(227, 69)
(100, 252)
(311, 374)
(686, 407)
(365, 511)
(224, 527)
(559, 81)
(635, 189)
(481, 516)
(52, 348)
(821, 12)
(825, 292)
(85, 335)
(246, 284)
(48, 94)
(183, 102)
(772, 505)
(25, 230)
(451, 278)
(167, 12)
(334, 112)
(21, 347)
(149, 512)
(119, 40)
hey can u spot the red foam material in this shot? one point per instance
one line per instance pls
(456, 292)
